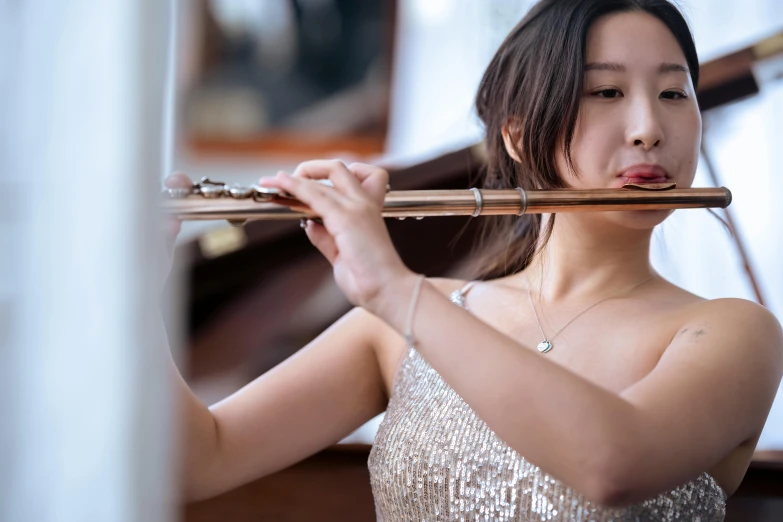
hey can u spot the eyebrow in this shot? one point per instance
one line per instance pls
(618, 67)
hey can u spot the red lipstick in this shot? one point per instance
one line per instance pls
(644, 173)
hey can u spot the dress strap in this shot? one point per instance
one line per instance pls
(465, 289)
(459, 296)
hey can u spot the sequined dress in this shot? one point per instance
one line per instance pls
(434, 459)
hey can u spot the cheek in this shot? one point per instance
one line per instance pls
(591, 149)
(685, 145)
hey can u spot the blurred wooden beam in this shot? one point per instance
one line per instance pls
(731, 77)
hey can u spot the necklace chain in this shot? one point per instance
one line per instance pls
(546, 345)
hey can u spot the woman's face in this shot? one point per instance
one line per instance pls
(638, 119)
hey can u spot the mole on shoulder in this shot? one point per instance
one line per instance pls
(698, 333)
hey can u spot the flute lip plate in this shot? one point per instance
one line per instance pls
(650, 186)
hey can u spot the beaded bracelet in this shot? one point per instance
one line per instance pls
(411, 309)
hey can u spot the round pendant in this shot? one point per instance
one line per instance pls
(544, 346)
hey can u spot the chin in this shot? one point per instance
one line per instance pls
(639, 219)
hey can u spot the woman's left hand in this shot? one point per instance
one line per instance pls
(353, 236)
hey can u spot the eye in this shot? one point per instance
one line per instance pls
(608, 93)
(674, 95)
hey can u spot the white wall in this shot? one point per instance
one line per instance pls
(86, 414)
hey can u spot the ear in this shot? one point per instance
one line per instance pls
(509, 142)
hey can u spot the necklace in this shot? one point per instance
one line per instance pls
(546, 345)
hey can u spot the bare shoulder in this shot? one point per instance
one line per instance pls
(737, 313)
(733, 314)
(736, 323)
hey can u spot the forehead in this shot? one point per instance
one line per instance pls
(632, 38)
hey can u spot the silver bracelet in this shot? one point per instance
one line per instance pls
(411, 309)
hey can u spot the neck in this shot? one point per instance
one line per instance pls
(586, 258)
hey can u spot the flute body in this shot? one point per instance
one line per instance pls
(471, 202)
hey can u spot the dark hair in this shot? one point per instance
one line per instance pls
(535, 80)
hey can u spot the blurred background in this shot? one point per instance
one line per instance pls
(100, 100)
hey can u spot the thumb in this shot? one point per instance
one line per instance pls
(321, 239)
(177, 180)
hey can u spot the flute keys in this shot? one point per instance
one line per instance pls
(240, 192)
(212, 191)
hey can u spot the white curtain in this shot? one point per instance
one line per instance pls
(86, 410)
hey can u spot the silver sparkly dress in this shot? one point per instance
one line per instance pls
(434, 459)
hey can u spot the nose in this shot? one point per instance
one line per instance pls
(644, 129)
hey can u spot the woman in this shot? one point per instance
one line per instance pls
(571, 381)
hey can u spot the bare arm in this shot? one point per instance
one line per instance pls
(707, 395)
(710, 392)
(308, 402)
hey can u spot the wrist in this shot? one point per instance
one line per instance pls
(392, 302)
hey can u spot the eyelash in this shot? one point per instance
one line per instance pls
(680, 95)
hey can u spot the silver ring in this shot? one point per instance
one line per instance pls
(522, 201)
(303, 223)
(479, 201)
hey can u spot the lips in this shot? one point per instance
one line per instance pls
(644, 173)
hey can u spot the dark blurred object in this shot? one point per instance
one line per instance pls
(760, 496)
(295, 77)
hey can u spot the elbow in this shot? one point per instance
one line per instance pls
(610, 488)
(200, 475)
(195, 490)
(193, 495)
(611, 495)
(614, 482)
(192, 489)
(189, 495)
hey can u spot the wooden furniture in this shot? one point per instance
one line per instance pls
(334, 485)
